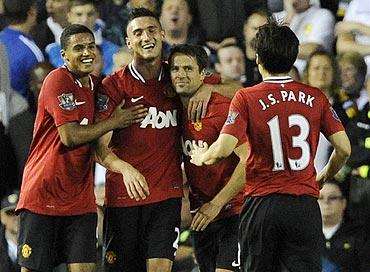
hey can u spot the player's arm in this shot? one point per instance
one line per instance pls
(220, 149)
(74, 134)
(210, 210)
(340, 154)
(134, 181)
(346, 43)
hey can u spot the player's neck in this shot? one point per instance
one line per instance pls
(265, 74)
(148, 69)
(25, 28)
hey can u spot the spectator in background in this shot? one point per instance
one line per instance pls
(22, 51)
(251, 24)
(346, 244)
(115, 15)
(21, 125)
(85, 12)
(176, 20)
(356, 174)
(313, 26)
(11, 104)
(223, 19)
(354, 31)
(322, 72)
(353, 71)
(230, 63)
(49, 30)
(8, 234)
(2, 17)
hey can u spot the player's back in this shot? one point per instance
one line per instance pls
(284, 119)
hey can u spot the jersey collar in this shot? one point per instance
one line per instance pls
(278, 79)
(78, 82)
(135, 73)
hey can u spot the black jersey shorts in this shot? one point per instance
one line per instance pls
(281, 232)
(135, 234)
(45, 241)
(217, 245)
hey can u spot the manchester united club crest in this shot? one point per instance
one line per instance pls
(110, 257)
(198, 126)
(67, 101)
(26, 251)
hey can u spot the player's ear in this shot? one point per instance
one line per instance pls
(128, 43)
(63, 54)
(203, 74)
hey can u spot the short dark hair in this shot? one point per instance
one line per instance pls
(141, 12)
(73, 3)
(16, 11)
(195, 51)
(276, 46)
(71, 30)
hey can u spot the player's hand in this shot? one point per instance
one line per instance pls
(197, 107)
(124, 117)
(346, 26)
(197, 153)
(204, 216)
(321, 179)
(135, 183)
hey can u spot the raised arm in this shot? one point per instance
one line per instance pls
(339, 156)
(197, 107)
(208, 212)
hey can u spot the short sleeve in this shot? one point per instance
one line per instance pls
(236, 122)
(59, 99)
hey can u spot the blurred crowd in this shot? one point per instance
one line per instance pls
(334, 55)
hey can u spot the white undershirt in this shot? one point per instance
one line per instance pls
(329, 231)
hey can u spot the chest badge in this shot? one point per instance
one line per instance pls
(198, 125)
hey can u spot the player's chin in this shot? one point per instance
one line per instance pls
(86, 69)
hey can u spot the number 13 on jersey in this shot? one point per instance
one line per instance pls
(299, 141)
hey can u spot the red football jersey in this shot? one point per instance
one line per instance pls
(153, 146)
(207, 181)
(282, 119)
(58, 180)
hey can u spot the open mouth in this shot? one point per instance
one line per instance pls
(148, 46)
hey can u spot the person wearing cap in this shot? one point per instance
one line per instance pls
(8, 234)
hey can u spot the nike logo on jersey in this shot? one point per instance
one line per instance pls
(79, 102)
(133, 100)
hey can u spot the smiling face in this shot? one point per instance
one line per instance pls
(145, 37)
(79, 54)
(185, 74)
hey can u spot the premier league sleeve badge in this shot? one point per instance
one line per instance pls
(67, 101)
